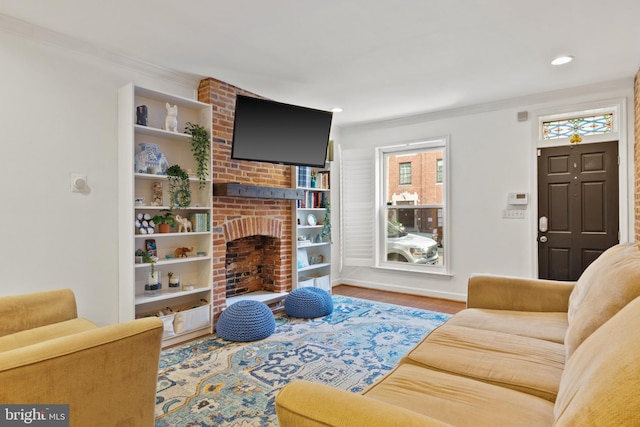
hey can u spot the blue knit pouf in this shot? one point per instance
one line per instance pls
(246, 320)
(308, 303)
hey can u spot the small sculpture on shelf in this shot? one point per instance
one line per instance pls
(171, 121)
(144, 224)
(183, 224)
(174, 280)
(182, 252)
(142, 115)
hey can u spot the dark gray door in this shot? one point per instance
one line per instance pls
(578, 200)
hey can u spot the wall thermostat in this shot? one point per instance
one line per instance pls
(518, 198)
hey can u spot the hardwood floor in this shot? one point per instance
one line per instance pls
(416, 301)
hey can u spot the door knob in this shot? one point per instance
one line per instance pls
(543, 239)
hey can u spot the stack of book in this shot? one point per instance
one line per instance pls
(200, 222)
(304, 177)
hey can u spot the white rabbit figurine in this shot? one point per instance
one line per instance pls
(171, 121)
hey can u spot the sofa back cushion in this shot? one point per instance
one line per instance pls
(604, 288)
(600, 384)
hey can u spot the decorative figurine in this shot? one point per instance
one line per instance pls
(157, 193)
(174, 280)
(182, 252)
(183, 224)
(142, 115)
(171, 121)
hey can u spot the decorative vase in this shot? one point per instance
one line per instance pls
(149, 160)
(154, 284)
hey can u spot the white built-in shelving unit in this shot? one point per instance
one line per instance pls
(311, 248)
(187, 309)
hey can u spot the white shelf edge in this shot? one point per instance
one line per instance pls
(310, 245)
(314, 267)
(166, 208)
(161, 133)
(157, 177)
(191, 233)
(169, 261)
(165, 97)
(166, 294)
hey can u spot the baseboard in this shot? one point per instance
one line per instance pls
(452, 296)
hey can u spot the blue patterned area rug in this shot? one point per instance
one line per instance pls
(213, 382)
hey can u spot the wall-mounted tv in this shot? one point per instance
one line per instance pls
(273, 132)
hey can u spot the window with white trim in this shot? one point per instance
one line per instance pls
(412, 226)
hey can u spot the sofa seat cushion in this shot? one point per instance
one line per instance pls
(548, 326)
(45, 333)
(524, 364)
(459, 400)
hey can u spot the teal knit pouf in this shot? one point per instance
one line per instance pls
(308, 303)
(245, 321)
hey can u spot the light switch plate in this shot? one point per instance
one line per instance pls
(513, 213)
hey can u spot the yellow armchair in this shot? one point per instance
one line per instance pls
(107, 375)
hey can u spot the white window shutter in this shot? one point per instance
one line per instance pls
(357, 189)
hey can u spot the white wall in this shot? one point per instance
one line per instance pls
(58, 115)
(491, 154)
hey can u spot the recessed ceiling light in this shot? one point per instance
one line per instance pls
(336, 110)
(561, 60)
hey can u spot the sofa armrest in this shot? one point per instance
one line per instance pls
(22, 312)
(518, 294)
(306, 404)
(107, 375)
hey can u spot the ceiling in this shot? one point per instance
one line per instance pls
(376, 59)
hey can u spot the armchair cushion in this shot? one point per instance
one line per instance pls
(44, 333)
(22, 312)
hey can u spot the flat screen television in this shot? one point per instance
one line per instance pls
(273, 132)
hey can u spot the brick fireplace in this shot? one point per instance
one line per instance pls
(240, 223)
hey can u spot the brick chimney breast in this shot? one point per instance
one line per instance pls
(237, 218)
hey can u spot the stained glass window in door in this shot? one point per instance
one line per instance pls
(582, 126)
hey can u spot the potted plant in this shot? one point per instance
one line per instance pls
(164, 221)
(140, 254)
(200, 147)
(179, 191)
(326, 224)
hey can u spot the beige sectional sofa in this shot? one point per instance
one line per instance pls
(107, 375)
(525, 352)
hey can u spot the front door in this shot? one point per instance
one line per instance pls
(577, 207)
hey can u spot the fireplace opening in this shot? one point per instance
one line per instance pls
(251, 264)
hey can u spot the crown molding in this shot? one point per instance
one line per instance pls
(48, 37)
(517, 102)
